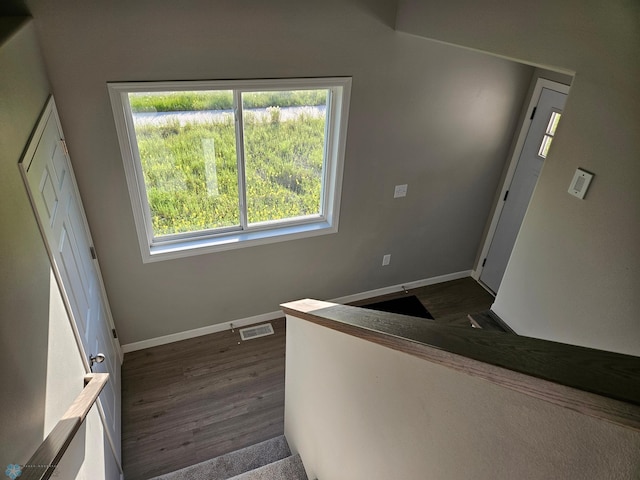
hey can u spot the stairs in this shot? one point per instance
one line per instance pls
(270, 460)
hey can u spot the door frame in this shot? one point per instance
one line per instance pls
(50, 110)
(511, 169)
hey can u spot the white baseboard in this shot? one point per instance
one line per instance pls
(198, 332)
(399, 287)
(266, 317)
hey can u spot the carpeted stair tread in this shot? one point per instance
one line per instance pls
(290, 468)
(234, 463)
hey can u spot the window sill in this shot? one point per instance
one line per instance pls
(235, 240)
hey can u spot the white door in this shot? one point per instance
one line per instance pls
(47, 171)
(516, 199)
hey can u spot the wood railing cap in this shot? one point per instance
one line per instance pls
(595, 382)
(43, 462)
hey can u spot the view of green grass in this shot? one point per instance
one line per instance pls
(191, 172)
(222, 100)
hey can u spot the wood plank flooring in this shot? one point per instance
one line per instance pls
(448, 302)
(189, 401)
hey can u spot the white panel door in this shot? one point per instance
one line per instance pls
(47, 171)
(522, 185)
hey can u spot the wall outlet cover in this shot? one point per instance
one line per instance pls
(580, 183)
(400, 191)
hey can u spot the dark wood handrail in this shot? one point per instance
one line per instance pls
(597, 383)
(43, 462)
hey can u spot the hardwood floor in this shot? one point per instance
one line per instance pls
(189, 401)
(451, 302)
(448, 302)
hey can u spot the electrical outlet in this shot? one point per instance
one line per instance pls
(386, 260)
(400, 191)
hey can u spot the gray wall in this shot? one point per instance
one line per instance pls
(436, 117)
(41, 369)
(24, 264)
(575, 270)
(367, 412)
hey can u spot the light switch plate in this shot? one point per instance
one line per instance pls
(400, 191)
(580, 183)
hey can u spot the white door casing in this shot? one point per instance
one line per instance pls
(48, 175)
(548, 97)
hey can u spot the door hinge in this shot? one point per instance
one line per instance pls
(93, 252)
(533, 114)
(506, 194)
(64, 146)
(113, 332)
(484, 262)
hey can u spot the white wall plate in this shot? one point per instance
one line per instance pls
(580, 183)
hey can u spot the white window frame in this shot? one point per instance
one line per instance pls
(195, 243)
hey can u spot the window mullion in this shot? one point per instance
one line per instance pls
(242, 184)
(327, 153)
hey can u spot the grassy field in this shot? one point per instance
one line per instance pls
(222, 100)
(191, 172)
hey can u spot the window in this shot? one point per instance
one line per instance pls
(223, 164)
(548, 134)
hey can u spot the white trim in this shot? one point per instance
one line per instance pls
(198, 332)
(513, 162)
(50, 109)
(153, 249)
(240, 158)
(237, 239)
(493, 294)
(266, 317)
(401, 287)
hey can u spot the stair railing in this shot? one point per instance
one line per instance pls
(44, 461)
(377, 395)
(600, 384)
